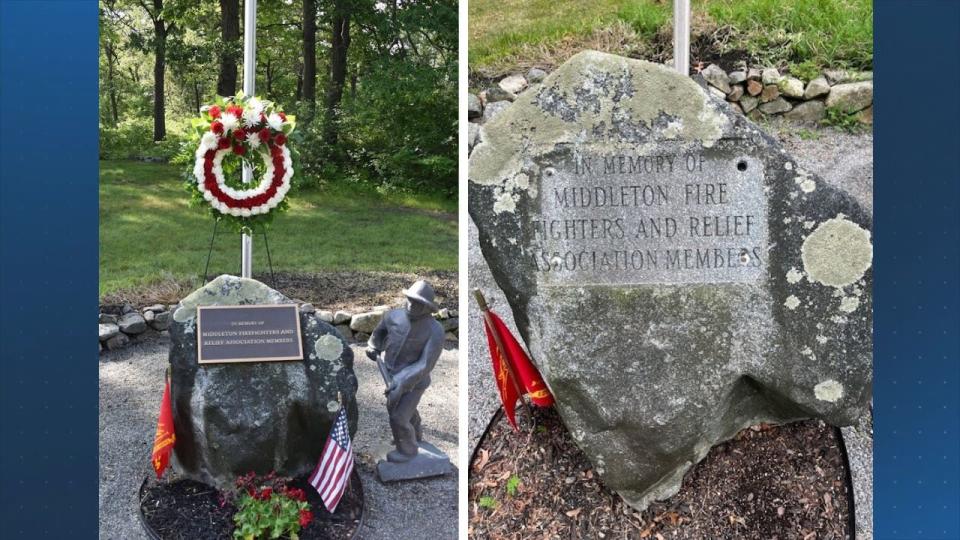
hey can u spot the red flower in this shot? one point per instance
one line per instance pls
(282, 116)
(280, 139)
(266, 493)
(224, 143)
(265, 134)
(251, 492)
(235, 110)
(240, 134)
(305, 517)
(239, 150)
(217, 128)
(295, 493)
(215, 111)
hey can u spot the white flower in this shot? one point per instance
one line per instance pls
(208, 141)
(229, 121)
(274, 121)
(251, 114)
(253, 140)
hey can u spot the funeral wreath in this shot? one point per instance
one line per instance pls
(256, 131)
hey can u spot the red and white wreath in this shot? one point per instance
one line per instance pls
(243, 126)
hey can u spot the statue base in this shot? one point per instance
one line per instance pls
(429, 461)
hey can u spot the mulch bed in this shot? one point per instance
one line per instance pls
(352, 291)
(768, 482)
(187, 510)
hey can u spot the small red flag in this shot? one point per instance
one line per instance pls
(513, 360)
(165, 437)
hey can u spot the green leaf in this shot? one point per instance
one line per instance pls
(487, 502)
(512, 484)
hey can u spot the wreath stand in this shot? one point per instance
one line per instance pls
(266, 245)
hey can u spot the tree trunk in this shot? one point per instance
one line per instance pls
(230, 35)
(111, 60)
(196, 95)
(159, 69)
(339, 45)
(309, 88)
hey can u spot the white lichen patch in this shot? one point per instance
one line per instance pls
(333, 406)
(504, 203)
(794, 276)
(821, 339)
(575, 103)
(328, 347)
(788, 166)
(792, 302)
(837, 253)
(830, 391)
(808, 185)
(673, 129)
(809, 224)
(849, 304)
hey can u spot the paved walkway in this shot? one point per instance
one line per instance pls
(130, 391)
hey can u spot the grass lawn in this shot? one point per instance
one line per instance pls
(149, 234)
(820, 33)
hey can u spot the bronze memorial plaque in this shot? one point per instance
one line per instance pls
(254, 333)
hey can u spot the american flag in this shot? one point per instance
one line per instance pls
(332, 474)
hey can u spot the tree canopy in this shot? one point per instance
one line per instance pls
(372, 82)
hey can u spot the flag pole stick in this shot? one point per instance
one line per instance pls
(681, 36)
(485, 311)
(249, 82)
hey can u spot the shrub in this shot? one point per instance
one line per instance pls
(132, 138)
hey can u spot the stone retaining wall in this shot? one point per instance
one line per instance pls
(756, 92)
(121, 325)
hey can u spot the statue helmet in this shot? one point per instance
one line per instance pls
(422, 292)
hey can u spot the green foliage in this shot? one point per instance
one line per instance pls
(826, 33)
(397, 120)
(834, 33)
(512, 484)
(806, 70)
(268, 508)
(843, 120)
(132, 138)
(808, 134)
(487, 502)
(645, 18)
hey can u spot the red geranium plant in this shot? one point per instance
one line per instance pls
(268, 507)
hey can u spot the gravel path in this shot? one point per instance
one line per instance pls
(130, 390)
(843, 160)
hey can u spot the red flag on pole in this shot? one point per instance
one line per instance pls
(164, 439)
(515, 373)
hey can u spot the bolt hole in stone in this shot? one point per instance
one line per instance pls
(744, 257)
(742, 165)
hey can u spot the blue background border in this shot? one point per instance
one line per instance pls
(917, 269)
(48, 269)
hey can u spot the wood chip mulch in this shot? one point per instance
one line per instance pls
(768, 482)
(188, 510)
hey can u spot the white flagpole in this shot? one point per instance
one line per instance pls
(249, 80)
(681, 36)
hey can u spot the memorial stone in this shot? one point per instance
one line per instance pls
(261, 416)
(675, 274)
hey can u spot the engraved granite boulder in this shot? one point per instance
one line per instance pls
(232, 418)
(675, 274)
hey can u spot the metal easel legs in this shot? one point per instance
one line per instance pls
(266, 245)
